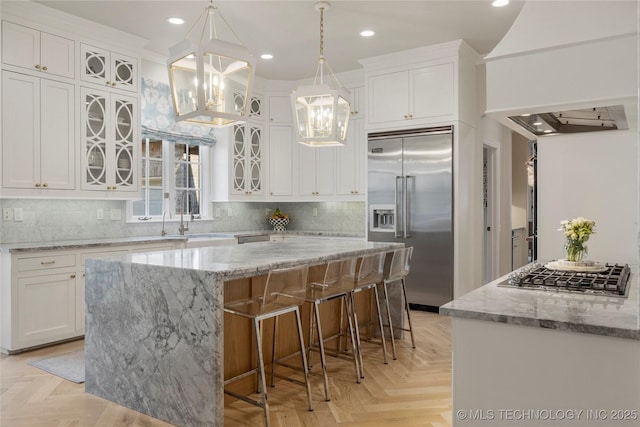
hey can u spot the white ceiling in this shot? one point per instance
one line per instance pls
(290, 29)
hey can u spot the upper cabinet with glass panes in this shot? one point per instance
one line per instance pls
(108, 68)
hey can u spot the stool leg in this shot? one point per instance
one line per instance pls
(305, 367)
(345, 301)
(386, 304)
(323, 358)
(273, 351)
(356, 338)
(384, 341)
(311, 334)
(406, 307)
(261, 373)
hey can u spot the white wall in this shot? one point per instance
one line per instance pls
(594, 175)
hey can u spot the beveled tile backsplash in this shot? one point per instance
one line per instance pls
(58, 220)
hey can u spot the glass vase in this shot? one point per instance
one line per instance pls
(575, 250)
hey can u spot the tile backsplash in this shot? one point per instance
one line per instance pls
(58, 220)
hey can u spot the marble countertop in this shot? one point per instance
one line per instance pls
(257, 258)
(134, 240)
(582, 313)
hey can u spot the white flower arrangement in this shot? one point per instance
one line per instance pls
(577, 232)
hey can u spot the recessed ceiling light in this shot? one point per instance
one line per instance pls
(266, 56)
(176, 21)
(537, 123)
(499, 3)
(525, 115)
(367, 33)
(547, 131)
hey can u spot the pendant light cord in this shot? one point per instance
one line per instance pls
(322, 33)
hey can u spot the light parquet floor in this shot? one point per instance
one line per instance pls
(414, 390)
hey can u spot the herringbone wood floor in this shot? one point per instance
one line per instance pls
(414, 390)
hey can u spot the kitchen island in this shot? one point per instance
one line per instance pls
(525, 357)
(155, 325)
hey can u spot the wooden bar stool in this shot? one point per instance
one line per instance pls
(273, 303)
(317, 293)
(398, 270)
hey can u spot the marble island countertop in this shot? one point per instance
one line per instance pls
(134, 240)
(228, 262)
(582, 313)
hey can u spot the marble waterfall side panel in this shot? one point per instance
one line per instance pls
(169, 362)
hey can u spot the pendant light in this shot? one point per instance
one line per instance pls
(210, 78)
(321, 109)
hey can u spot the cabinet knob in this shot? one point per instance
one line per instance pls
(108, 83)
(45, 185)
(411, 116)
(271, 193)
(113, 84)
(73, 276)
(37, 66)
(44, 68)
(37, 184)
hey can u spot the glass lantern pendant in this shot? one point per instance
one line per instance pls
(210, 78)
(321, 109)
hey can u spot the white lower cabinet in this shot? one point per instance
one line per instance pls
(43, 293)
(46, 307)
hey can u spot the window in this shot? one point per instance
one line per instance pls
(151, 187)
(187, 172)
(171, 180)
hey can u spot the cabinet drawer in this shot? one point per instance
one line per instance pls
(44, 262)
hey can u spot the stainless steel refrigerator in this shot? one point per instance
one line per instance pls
(410, 200)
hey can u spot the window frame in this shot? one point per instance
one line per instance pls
(169, 204)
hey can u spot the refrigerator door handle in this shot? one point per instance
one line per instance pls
(407, 206)
(399, 203)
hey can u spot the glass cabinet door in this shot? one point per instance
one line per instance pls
(95, 65)
(95, 138)
(255, 159)
(124, 72)
(124, 141)
(238, 161)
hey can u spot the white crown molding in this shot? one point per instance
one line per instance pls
(415, 56)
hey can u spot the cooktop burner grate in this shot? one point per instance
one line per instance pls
(613, 281)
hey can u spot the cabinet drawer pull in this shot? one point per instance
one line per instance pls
(108, 83)
(113, 84)
(45, 185)
(73, 276)
(37, 66)
(47, 262)
(37, 184)
(44, 68)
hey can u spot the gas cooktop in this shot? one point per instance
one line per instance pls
(610, 282)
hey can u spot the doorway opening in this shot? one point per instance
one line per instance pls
(489, 211)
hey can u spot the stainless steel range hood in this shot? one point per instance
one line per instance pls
(593, 119)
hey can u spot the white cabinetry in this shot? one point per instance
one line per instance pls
(357, 101)
(351, 166)
(37, 51)
(247, 163)
(109, 141)
(38, 138)
(280, 110)
(316, 170)
(43, 293)
(280, 160)
(107, 68)
(420, 95)
(281, 147)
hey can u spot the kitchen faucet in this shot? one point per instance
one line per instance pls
(182, 227)
(164, 232)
